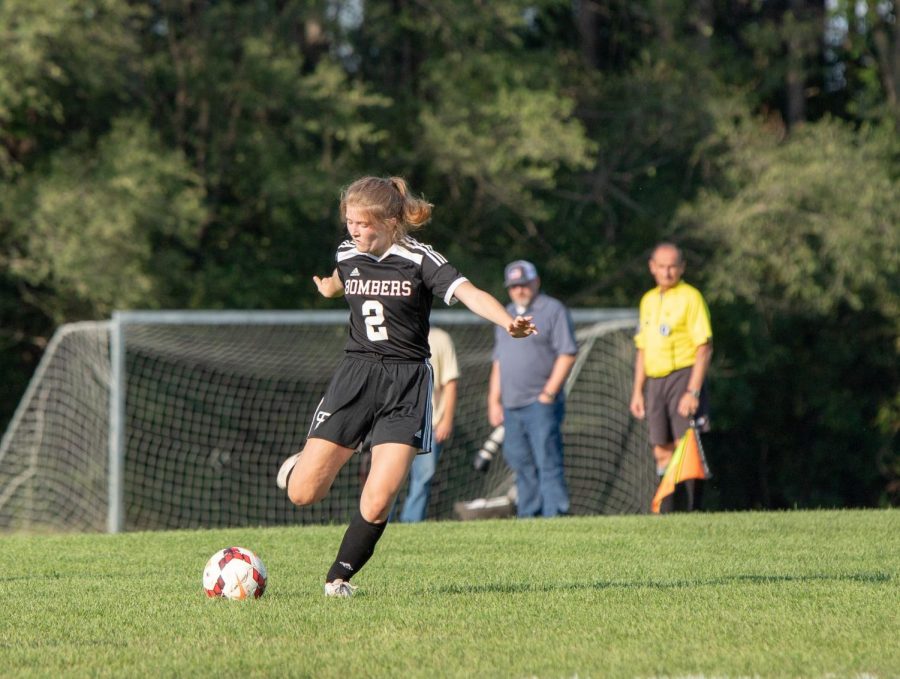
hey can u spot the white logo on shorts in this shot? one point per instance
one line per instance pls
(321, 416)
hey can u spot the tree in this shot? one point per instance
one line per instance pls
(864, 41)
(190, 154)
(804, 279)
(109, 232)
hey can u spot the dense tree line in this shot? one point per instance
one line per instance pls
(163, 154)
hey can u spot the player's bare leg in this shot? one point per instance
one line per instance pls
(315, 470)
(390, 467)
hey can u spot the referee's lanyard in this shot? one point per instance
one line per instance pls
(664, 329)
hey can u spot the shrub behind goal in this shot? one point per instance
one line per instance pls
(163, 420)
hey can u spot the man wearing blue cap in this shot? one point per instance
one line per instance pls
(525, 394)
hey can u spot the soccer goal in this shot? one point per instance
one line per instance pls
(163, 420)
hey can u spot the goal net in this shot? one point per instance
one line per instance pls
(163, 420)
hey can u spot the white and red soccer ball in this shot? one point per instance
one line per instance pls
(234, 573)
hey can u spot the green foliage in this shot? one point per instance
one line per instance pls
(807, 594)
(273, 132)
(804, 225)
(60, 61)
(802, 268)
(503, 127)
(866, 45)
(165, 154)
(644, 122)
(110, 233)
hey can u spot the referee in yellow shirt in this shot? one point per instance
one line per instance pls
(674, 348)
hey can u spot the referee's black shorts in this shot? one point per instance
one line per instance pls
(368, 393)
(662, 397)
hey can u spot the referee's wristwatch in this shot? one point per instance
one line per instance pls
(694, 392)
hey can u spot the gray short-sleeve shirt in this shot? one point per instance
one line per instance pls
(525, 364)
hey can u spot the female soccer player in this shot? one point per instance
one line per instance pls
(383, 384)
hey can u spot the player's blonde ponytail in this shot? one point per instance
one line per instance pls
(416, 211)
(386, 199)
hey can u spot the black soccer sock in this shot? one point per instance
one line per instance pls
(687, 496)
(356, 548)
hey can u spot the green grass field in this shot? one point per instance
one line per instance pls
(795, 594)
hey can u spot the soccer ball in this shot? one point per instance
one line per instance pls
(234, 573)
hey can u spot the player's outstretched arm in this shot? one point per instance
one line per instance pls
(486, 305)
(329, 286)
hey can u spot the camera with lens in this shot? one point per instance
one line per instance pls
(485, 456)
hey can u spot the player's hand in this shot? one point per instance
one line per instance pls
(329, 286)
(522, 326)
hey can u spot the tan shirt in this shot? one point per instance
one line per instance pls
(446, 369)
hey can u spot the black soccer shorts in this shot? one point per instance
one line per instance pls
(368, 393)
(662, 397)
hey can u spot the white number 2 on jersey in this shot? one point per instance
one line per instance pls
(376, 330)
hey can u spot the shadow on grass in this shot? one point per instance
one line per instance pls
(525, 587)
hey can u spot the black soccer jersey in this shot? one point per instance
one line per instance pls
(390, 296)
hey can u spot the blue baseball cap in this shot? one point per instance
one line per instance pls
(519, 272)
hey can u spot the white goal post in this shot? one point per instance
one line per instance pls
(179, 419)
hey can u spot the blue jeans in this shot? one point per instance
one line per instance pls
(533, 449)
(420, 475)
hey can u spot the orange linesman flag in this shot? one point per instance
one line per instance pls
(688, 462)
